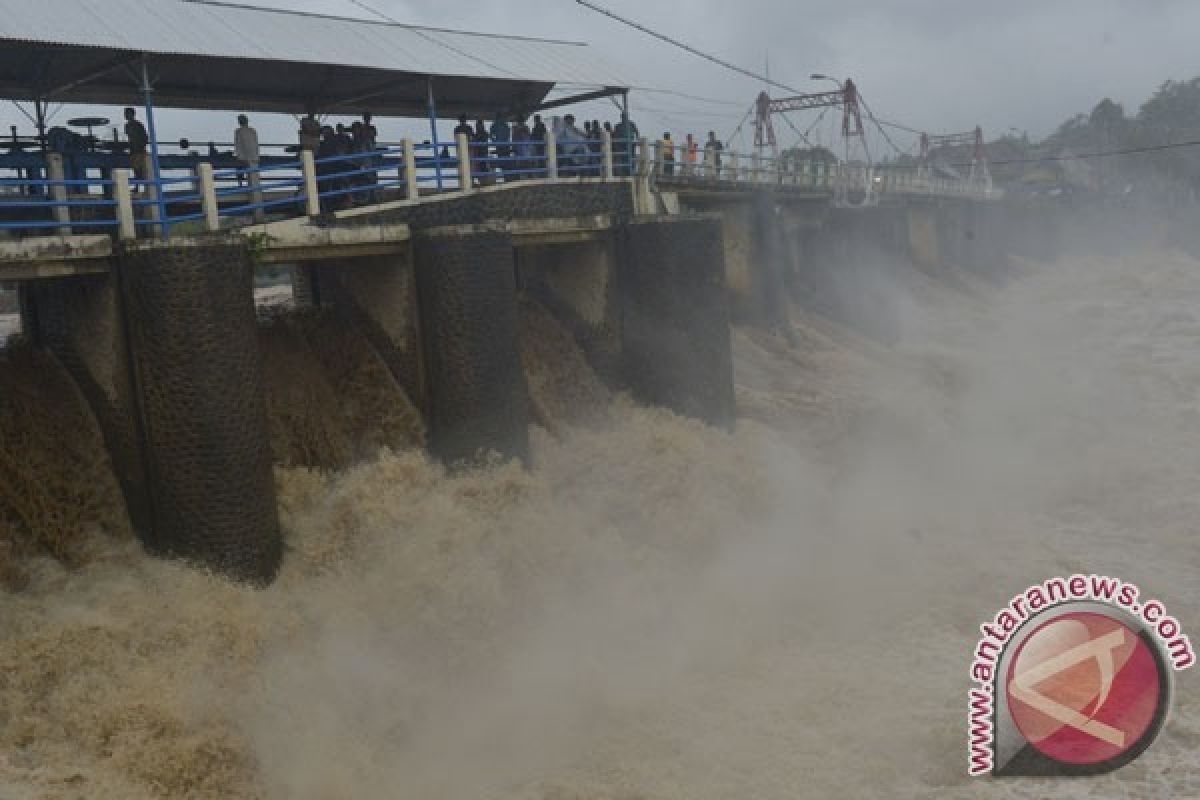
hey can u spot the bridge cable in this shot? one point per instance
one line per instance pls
(803, 136)
(871, 116)
(737, 131)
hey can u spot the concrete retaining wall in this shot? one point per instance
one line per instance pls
(537, 201)
(675, 338)
(198, 371)
(478, 400)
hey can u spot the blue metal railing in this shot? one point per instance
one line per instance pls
(206, 198)
(39, 204)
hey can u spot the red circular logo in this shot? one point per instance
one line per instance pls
(1084, 688)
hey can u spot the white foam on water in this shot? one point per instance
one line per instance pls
(659, 609)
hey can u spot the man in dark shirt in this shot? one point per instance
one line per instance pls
(480, 168)
(625, 136)
(139, 140)
(538, 137)
(501, 135)
(463, 127)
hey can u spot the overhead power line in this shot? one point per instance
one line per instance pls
(1129, 151)
(683, 46)
(386, 18)
(652, 90)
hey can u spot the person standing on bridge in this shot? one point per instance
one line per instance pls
(691, 154)
(479, 154)
(523, 148)
(245, 150)
(463, 127)
(572, 144)
(245, 143)
(139, 158)
(538, 136)
(668, 155)
(712, 155)
(370, 134)
(596, 145)
(310, 133)
(501, 136)
(326, 149)
(624, 138)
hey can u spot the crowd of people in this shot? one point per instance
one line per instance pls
(510, 148)
(515, 149)
(690, 155)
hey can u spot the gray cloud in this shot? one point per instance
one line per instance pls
(938, 65)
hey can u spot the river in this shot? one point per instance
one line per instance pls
(659, 610)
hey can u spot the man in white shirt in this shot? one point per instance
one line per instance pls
(245, 150)
(245, 143)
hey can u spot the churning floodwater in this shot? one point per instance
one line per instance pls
(658, 610)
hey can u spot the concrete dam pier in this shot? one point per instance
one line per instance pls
(161, 336)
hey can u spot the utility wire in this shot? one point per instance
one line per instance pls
(650, 90)
(434, 40)
(1130, 151)
(699, 53)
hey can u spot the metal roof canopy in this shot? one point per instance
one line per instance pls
(208, 55)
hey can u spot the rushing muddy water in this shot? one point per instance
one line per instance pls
(658, 609)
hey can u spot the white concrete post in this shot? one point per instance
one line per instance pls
(464, 162)
(643, 157)
(126, 228)
(734, 168)
(254, 182)
(551, 156)
(412, 189)
(312, 190)
(660, 156)
(208, 196)
(152, 190)
(710, 163)
(606, 154)
(58, 192)
(755, 167)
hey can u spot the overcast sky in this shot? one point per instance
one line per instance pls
(939, 65)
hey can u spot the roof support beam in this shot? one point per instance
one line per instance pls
(330, 103)
(125, 60)
(608, 91)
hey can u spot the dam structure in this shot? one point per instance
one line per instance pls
(141, 282)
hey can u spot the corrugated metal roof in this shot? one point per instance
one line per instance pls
(245, 32)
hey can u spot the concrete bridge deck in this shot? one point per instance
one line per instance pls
(295, 201)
